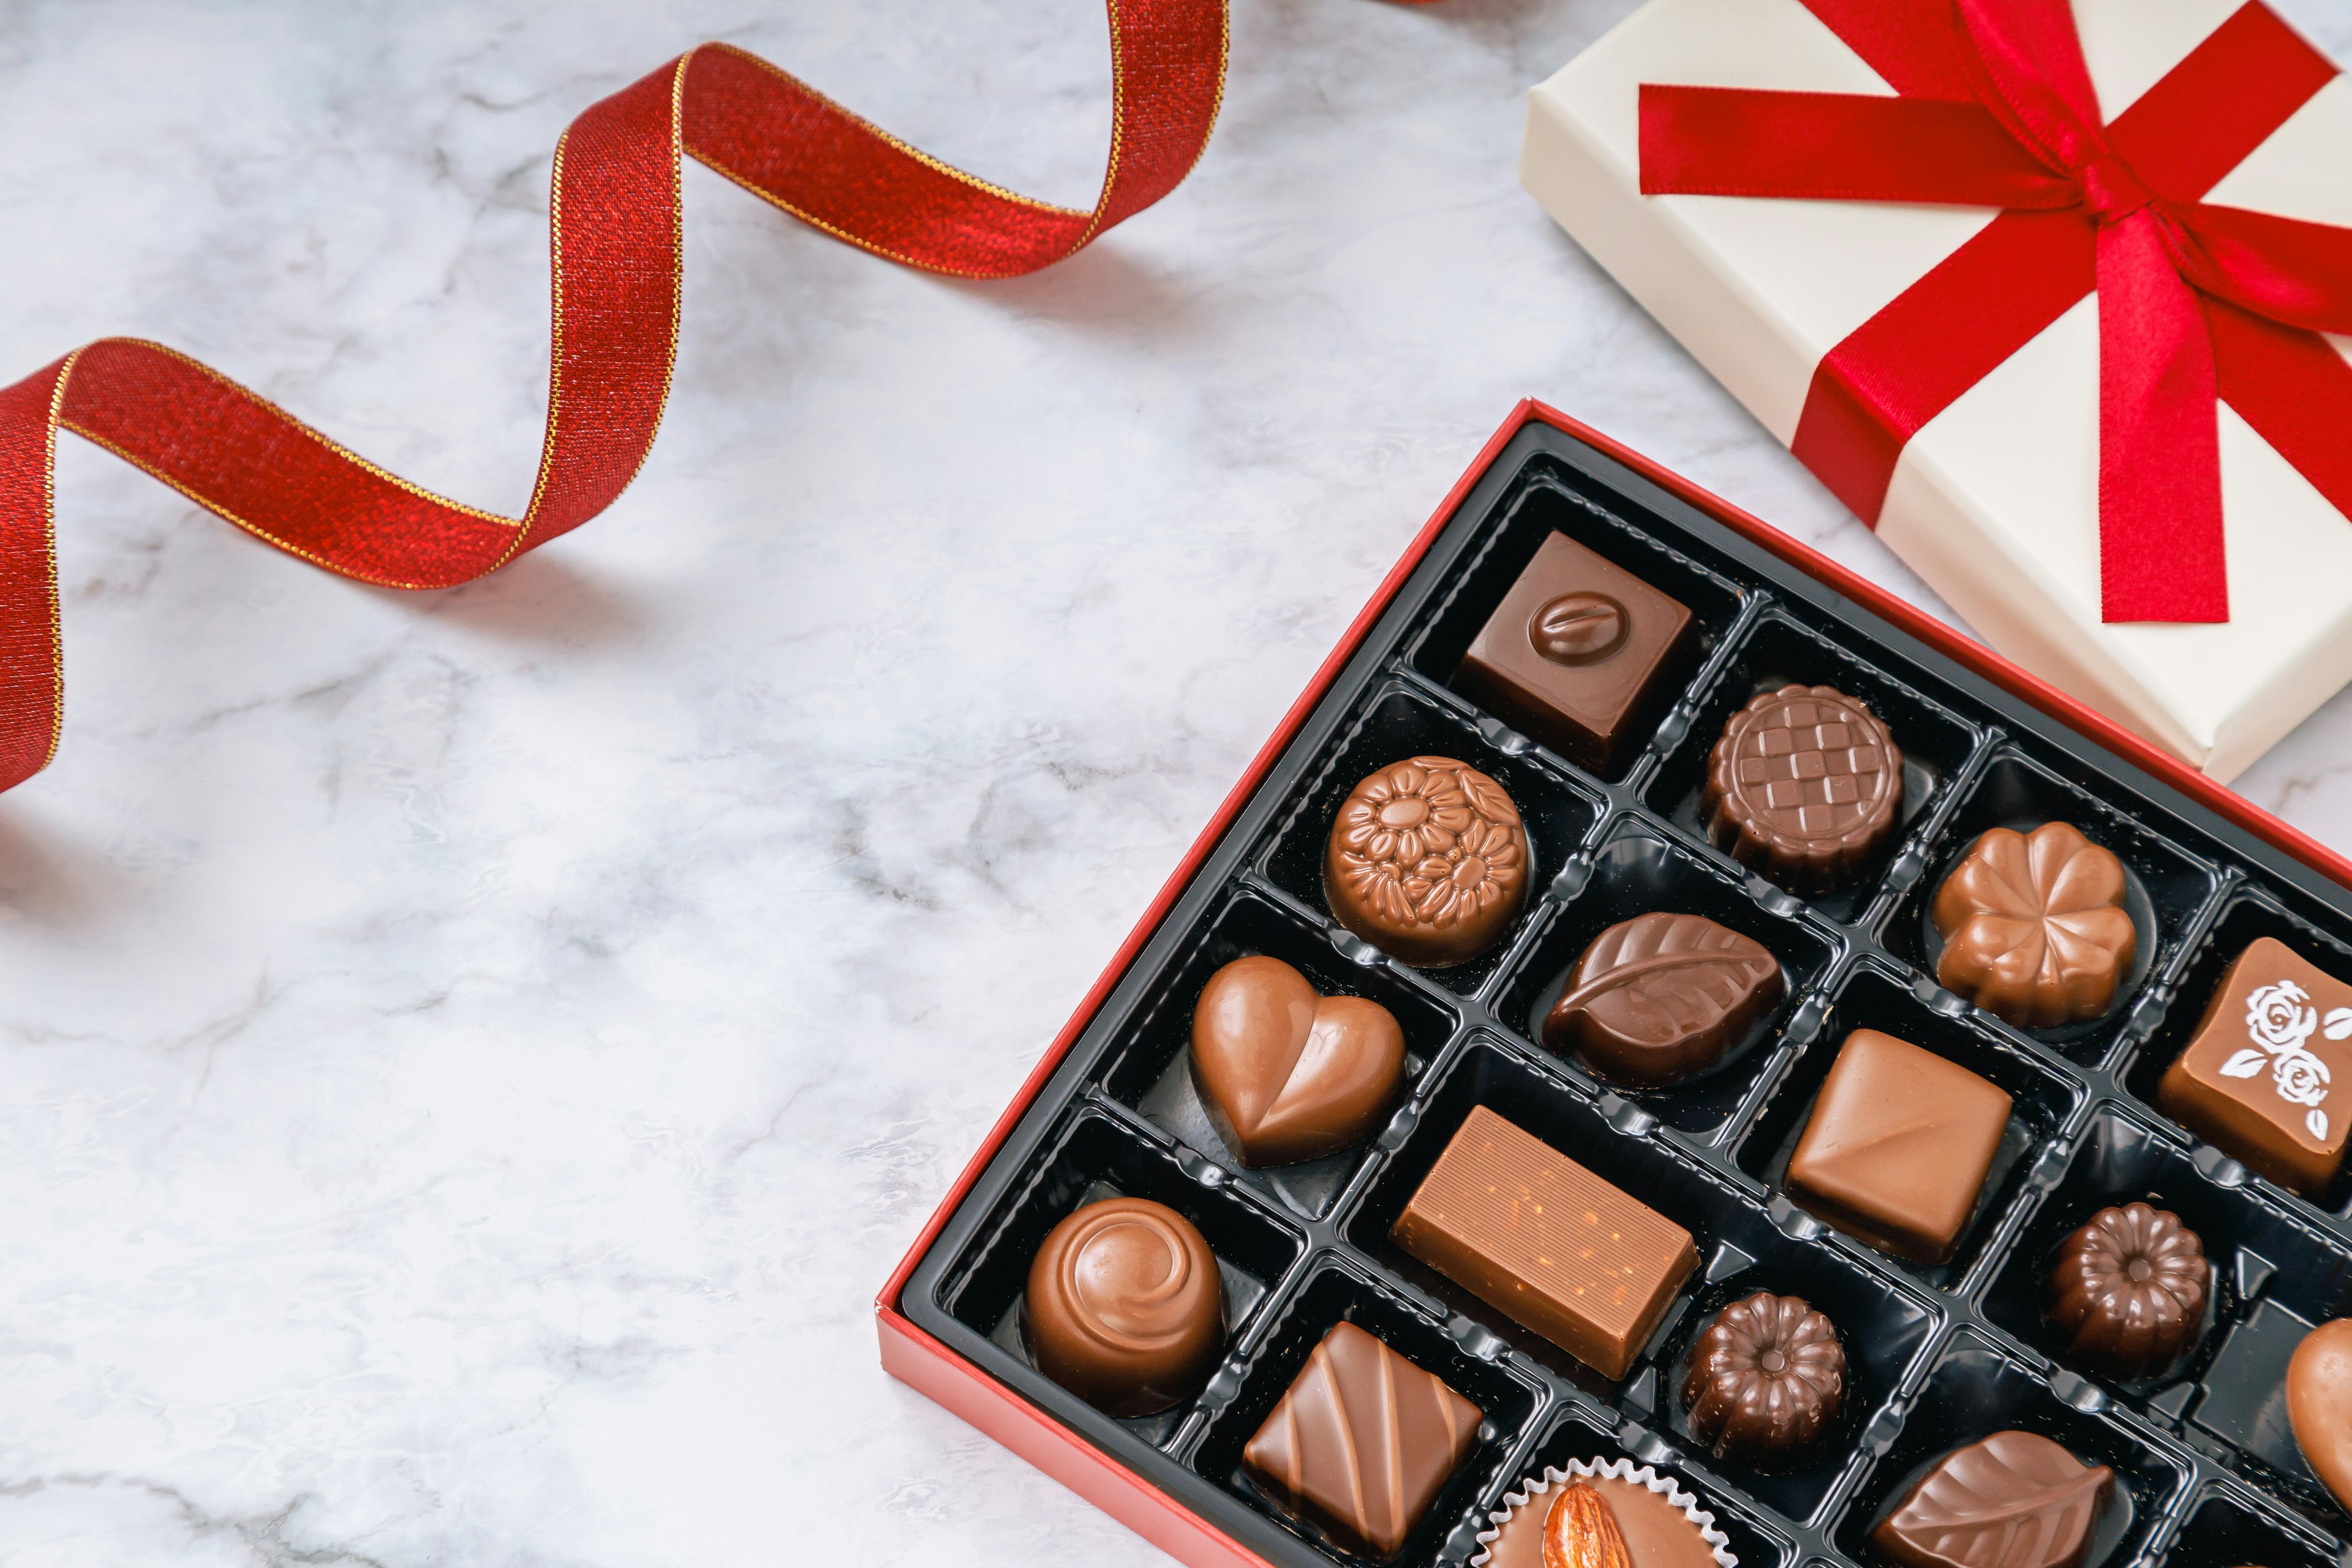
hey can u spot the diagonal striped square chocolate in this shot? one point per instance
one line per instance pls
(1363, 1441)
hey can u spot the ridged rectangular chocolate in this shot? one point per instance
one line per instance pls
(1536, 1234)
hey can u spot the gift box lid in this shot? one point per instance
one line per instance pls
(1995, 501)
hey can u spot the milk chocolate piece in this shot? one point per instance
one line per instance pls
(1765, 1378)
(1287, 1074)
(2014, 1500)
(1656, 1533)
(1363, 1441)
(2257, 1079)
(1656, 999)
(2033, 926)
(2129, 1287)
(1805, 784)
(1428, 861)
(1536, 1236)
(2319, 1405)
(1898, 1146)
(1124, 1308)
(1577, 649)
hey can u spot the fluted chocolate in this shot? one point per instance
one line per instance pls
(1363, 1441)
(1428, 861)
(2129, 1288)
(2035, 928)
(1766, 1377)
(1656, 999)
(1124, 1308)
(1804, 784)
(1286, 1074)
(2014, 1500)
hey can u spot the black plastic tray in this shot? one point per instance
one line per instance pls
(1939, 1356)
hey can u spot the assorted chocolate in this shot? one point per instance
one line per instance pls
(2257, 1079)
(1286, 1074)
(1898, 1146)
(1538, 1236)
(1766, 1378)
(1805, 784)
(2014, 1499)
(1362, 1442)
(1658, 998)
(2035, 927)
(1603, 1514)
(1125, 1306)
(2129, 1290)
(1428, 861)
(1578, 650)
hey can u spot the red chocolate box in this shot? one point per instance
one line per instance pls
(1303, 1248)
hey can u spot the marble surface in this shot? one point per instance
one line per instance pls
(470, 1060)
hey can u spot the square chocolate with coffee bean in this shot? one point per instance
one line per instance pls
(1576, 652)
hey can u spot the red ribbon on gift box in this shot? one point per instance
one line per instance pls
(616, 221)
(2196, 301)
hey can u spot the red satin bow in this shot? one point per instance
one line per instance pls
(616, 224)
(2195, 301)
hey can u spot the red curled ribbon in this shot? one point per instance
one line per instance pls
(2196, 301)
(616, 221)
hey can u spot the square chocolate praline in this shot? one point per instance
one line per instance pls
(1575, 653)
(1898, 1147)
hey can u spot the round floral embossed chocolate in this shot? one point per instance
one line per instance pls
(1428, 861)
(1765, 1377)
(2129, 1287)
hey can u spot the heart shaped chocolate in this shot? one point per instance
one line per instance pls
(1286, 1074)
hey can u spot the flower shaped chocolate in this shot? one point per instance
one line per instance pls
(1428, 860)
(2034, 925)
(1765, 1377)
(2130, 1288)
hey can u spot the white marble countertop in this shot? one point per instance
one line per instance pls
(470, 1061)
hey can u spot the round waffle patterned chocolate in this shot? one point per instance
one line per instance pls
(1804, 784)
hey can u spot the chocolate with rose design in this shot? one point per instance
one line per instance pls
(2260, 1078)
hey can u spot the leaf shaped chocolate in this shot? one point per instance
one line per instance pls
(1656, 999)
(2034, 925)
(2013, 1500)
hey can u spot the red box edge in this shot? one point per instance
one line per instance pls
(920, 1362)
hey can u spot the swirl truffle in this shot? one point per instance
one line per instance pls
(1428, 861)
(1124, 1308)
(2130, 1289)
(1765, 1378)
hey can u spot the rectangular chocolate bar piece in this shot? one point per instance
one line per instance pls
(1529, 1231)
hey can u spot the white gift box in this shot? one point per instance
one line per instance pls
(1995, 502)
